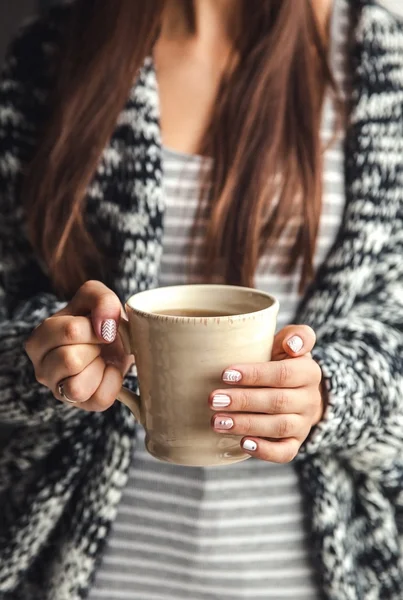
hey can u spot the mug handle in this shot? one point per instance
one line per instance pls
(127, 397)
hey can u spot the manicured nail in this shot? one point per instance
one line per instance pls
(295, 343)
(249, 445)
(220, 401)
(109, 330)
(223, 423)
(231, 376)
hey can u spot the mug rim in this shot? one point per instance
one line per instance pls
(274, 306)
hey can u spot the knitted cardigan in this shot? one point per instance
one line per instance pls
(62, 470)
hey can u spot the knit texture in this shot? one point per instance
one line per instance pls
(62, 471)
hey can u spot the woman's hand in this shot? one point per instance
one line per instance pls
(275, 404)
(75, 352)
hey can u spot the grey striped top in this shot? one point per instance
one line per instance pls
(222, 533)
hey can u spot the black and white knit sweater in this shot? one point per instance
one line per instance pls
(62, 471)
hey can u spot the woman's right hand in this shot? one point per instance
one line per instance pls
(78, 348)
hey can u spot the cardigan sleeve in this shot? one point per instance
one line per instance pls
(26, 298)
(360, 347)
(361, 356)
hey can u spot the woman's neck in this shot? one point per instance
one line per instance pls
(195, 50)
(323, 11)
(211, 19)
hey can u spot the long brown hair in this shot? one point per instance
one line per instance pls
(263, 136)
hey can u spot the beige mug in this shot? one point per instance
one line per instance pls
(180, 361)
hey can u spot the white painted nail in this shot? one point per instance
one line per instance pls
(295, 343)
(221, 401)
(249, 445)
(109, 330)
(223, 423)
(231, 376)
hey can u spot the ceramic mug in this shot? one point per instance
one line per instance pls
(180, 361)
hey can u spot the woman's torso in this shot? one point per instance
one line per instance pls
(238, 531)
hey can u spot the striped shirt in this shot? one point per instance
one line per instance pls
(234, 532)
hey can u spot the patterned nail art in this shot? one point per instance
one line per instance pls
(295, 343)
(221, 401)
(223, 423)
(109, 330)
(249, 445)
(231, 376)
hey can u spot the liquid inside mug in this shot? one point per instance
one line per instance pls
(180, 361)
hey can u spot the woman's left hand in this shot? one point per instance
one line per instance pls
(274, 405)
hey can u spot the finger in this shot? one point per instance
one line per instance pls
(114, 354)
(59, 331)
(97, 300)
(82, 387)
(267, 426)
(287, 373)
(293, 340)
(64, 362)
(107, 392)
(283, 451)
(261, 400)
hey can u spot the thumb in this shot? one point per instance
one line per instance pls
(96, 300)
(293, 341)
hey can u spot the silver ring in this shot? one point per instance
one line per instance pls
(63, 395)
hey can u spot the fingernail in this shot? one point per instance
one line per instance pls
(109, 330)
(295, 343)
(231, 376)
(220, 401)
(223, 423)
(249, 445)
